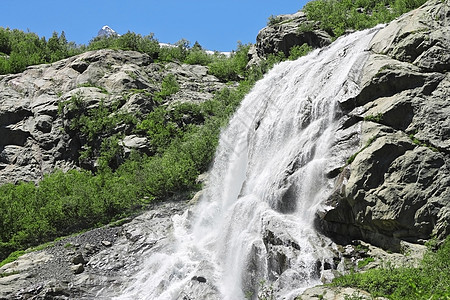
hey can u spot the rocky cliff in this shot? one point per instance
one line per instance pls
(393, 192)
(35, 135)
(396, 187)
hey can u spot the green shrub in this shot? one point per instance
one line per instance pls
(232, 68)
(129, 41)
(364, 262)
(21, 49)
(299, 51)
(374, 118)
(169, 86)
(337, 16)
(97, 129)
(274, 20)
(431, 280)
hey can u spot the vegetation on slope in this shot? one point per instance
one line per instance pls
(338, 16)
(431, 280)
(19, 49)
(64, 203)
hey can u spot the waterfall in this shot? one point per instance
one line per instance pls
(252, 233)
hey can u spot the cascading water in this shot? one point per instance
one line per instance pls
(252, 232)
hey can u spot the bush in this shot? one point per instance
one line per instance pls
(299, 51)
(185, 136)
(129, 41)
(337, 16)
(232, 68)
(431, 280)
(20, 50)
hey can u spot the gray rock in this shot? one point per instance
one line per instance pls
(397, 187)
(291, 30)
(135, 142)
(78, 259)
(77, 269)
(106, 243)
(335, 293)
(50, 272)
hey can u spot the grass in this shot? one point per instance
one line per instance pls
(352, 158)
(374, 118)
(420, 143)
(431, 280)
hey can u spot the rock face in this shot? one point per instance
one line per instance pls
(398, 187)
(288, 31)
(93, 265)
(33, 139)
(394, 191)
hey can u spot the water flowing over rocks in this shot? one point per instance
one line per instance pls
(393, 192)
(33, 142)
(397, 188)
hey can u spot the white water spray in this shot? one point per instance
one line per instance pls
(255, 221)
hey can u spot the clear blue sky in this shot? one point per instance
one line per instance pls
(216, 25)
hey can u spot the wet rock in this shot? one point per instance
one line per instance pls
(106, 243)
(77, 269)
(78, 259)
(199, 279)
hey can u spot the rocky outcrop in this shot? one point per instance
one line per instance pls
(286, 31)
(34, 139)
(397, 188)
(93, 265)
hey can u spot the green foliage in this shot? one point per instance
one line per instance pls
(21, 49)
(374, 118)
(11, 257)
(354, 296)
(8, 274)
(178, 52)
(305, 27)
(129, 41)
(431, 280)
(337, 16)
(169, 86)
(97, 129)
(299, 51)
(198, 56)
(274, 20)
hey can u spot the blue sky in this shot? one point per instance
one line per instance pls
(216, 25)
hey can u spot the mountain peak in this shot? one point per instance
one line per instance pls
(106, 31)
